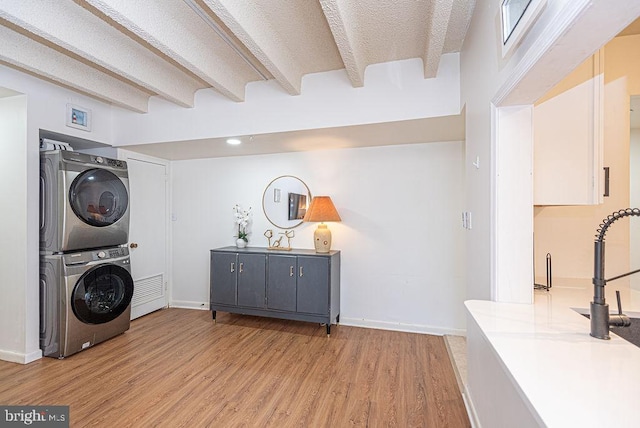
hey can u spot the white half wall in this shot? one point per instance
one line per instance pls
(401, 237)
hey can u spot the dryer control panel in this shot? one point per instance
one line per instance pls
(88, 159)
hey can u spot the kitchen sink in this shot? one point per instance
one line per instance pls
(631, 334)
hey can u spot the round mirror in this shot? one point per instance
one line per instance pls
(285, 201)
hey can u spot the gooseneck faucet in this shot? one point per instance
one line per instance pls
(600, 317)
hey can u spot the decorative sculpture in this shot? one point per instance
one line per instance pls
(277, 244)
(268, 234)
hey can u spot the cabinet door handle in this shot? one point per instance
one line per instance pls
(241, 265)
(290, 270)
(233, 267)
(301, 274)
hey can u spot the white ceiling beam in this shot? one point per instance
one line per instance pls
(461, 14)
(437, 31)
(76, 30)
(246, 22)
(343, 29)
(188, 40)
(24, 53)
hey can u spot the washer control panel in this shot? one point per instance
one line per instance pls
(110, 253)
(84, 257)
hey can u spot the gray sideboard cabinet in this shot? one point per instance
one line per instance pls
(298, 285)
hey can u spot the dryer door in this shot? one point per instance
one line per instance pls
(98, 197)
(102, 294)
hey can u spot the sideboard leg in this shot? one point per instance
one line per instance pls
(213, 314)
(328, 329)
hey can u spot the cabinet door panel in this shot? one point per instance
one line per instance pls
(251, 280)
(313, 285)
(223, 278)
(568, 139)
(281, 283)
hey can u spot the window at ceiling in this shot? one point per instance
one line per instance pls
(517, 17)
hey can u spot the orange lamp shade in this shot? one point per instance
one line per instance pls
(321, 209)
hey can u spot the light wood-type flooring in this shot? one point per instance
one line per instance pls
(175, 367)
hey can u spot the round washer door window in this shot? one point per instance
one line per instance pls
(98, 197)
(102, 294)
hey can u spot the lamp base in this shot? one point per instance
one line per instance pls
(322, 239)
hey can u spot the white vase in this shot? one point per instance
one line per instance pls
(241, 243)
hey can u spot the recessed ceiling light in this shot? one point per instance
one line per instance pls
(234, 141)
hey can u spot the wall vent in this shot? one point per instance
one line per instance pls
(147, 289)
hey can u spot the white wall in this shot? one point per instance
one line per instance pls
(392, 91)
(498, 218)
(14, 334)
(400, 238)
(45, 106)
(478, 64)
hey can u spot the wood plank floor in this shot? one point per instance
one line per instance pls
(175, 367)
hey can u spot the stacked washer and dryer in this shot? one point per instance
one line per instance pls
(85, 276)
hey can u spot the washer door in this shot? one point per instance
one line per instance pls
(98, 197)
(102, 294)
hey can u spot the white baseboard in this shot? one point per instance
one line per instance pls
(409, 328)
(187, 304)
(353, 322)
(20, 358)
(471, 411)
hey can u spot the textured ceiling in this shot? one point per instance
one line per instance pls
(124, 51)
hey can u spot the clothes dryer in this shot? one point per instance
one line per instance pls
(84, 201)
(85, 299)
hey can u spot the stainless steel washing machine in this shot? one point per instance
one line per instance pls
(85, 299)
(84, 201)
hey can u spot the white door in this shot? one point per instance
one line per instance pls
(148, 233)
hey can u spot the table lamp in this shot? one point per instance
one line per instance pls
(320, 210)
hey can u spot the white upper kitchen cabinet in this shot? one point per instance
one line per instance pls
(568, 138)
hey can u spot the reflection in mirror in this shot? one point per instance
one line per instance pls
(285, 201)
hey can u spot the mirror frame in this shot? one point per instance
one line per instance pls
(264, 208)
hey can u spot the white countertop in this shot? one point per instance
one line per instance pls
(570, 378)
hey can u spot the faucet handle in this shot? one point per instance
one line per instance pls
(620, 320)
(619, 302)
